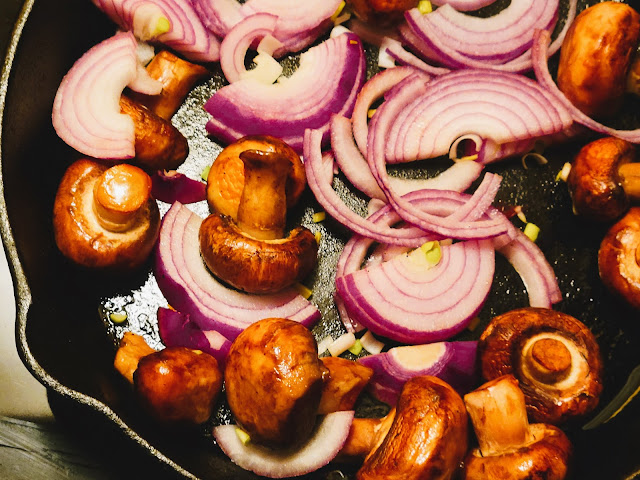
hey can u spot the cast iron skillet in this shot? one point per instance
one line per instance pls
(67, 342)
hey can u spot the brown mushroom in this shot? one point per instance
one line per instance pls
(252, 255)
(158, 144)
(427, 438)
(224, 190)
(509, 447)
(274, 381)
(596, 57)
(105, 217)
(554, 356)
(131, 349)
(178, 385)
(603, 181)
(619, 258)
(365, 435)
(177, 76)
(381, 12)
(343, 384)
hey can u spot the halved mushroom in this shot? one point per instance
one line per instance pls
(274, 381)
(596, 57)
(427, 438)
(554, 356)
(619, 258)
(252, 255)
(105, 217)
(604, 180)
(345, 381)
(509, 447)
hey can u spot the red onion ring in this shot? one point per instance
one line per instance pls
(86, 110)
(219, 16)
(189, 287)
(306, 100)
(464, 5)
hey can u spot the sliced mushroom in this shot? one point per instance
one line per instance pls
(509, 447)
(619, 258)
(343, 384)
(131, 349)
(596, 57)
(428, 436)
(274, 381)
(177, 76)
(554, 356)
(251, 255)
(105, 217)
(603, 180)
(365, 435)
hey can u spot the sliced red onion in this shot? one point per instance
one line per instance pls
(219, 16)
(464, 5)
(326, 441)
(190, 288)
(453, 362)
(171, 187)
(233, 49)
(327, 82)
(177, 330)
(396, 51)
(405, 300)
(541, 69)
(86, 110)
(186, 34)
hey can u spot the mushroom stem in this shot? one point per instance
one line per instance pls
(263, 204)
(630, 179)
(365, 436)
(119, 195)
(549, 360)
(499, 415)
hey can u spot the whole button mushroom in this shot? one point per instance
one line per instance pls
(604, 180)
(274, 381)
(596, 57)
(105, 217)
(251, 253)
(619, 258)
(554, 356)
(509, 448)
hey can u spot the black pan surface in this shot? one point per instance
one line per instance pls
(68, 343)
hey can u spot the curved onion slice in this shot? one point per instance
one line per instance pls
(326, 441)
(544, 77)
(464, 5)
(86, 109)
(186, 33)
(234, 46)
(407, 301)
(177, 330)
(453, 362)
(188, 286)
(171, 187)
(327, 82)
(219, 16)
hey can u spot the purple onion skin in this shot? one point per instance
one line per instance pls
(177, 187)
(457, 366)
(178, 330)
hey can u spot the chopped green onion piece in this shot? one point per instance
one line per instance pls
(564, 173)
(323, 345)
(531, 230)
(356, 348)
(118, 317)
(319, 217)
(342, 344)
(338, 11)
(370, 343)
(520, 214)
(371, 112)
(318, 236)
(424, 7)
(163, 26)
(243, 436)
(205, 173)
(302, 290)
(432, 251)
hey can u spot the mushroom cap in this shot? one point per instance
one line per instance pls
(381, 12)
(619, 258)
(252, 265)
(507, 347)
(82, 237)
(595, 185)
(546, 457)
(596, 55)
(274, 380)
(225, 180)
(428, 436)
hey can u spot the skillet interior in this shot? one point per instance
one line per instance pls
(65, 343)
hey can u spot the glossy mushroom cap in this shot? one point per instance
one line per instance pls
(105, 217)
(381, 12)
(555, 358)
(619, 258)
